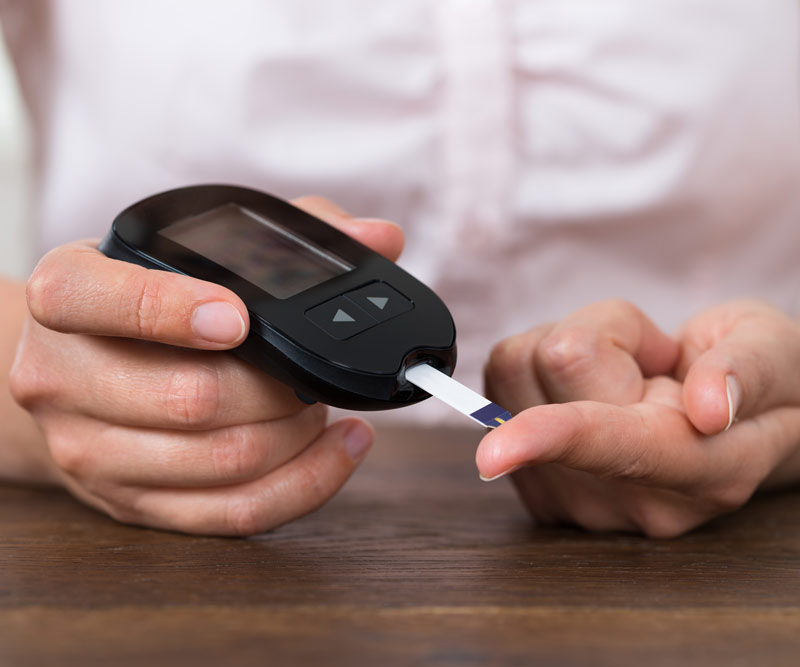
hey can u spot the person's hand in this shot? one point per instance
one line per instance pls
(164, 435)
(647, 433)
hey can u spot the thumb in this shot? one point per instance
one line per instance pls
(752, 369)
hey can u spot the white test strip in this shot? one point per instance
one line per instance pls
(457, 396)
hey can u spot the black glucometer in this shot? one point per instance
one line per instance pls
(331, 318)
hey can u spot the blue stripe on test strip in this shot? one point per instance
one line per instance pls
(491, 415)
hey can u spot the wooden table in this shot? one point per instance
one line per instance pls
(415, 562)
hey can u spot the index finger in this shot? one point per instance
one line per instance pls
(77, 289)
(603, 352)
(646, 443)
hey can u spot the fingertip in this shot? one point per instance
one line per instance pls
(662, 356)
(489, 456)
(541, 434)
(321, 207)
(734, 394)
(706, 399)
(521, 441)
(220, 324)
(358, 437)
(44, 288)
(505, 473)
(382, 236)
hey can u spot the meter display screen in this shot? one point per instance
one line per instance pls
(258, 249)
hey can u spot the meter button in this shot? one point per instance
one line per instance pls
(340, 318)
(380, 301)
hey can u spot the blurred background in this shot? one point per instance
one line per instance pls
(15, 176)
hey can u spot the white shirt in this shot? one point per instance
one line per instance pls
(540, 154)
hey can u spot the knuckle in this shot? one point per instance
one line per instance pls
(507, 358)
(317, 416)
(244, 517)
(729, 497)
(316, 485)
(121, 514)
(636, 467)
(666, 528)
(19, 385)
(36, 291)
(193, 396)
(567, 352)
(657, 520)
(121, 509)
(44, 294)
(593, 516)
(70, 454)
(619, 308)
(635, 460)
(237, 454)
(147, 315)
(32, 379)
(25, 384)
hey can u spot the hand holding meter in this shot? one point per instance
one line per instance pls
(334, 320)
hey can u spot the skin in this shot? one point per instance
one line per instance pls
(619, 426)
(172, 436)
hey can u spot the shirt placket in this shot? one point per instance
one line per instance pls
(477, 119)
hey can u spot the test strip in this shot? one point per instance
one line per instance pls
(457, 396)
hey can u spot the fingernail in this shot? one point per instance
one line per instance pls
(357, 440)
(502, 474)
(218, 322)
(734, 391)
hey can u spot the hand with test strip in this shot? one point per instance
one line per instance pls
(171, 437)
(622, 427)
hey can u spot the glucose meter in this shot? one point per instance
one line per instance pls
(331, 318)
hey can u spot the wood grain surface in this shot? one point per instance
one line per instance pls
(415, 562)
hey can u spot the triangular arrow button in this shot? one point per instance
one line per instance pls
(342, 316)
(379, 301)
